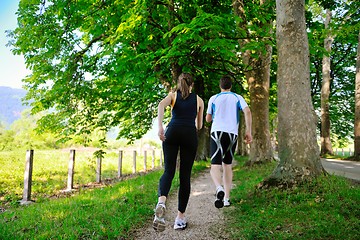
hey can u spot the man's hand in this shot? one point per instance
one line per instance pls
(248, 138)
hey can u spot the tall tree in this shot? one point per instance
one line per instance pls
(343, 30)
(298, 149)
(326, 147)
(255, 20)
(357, 104)
(100, 64)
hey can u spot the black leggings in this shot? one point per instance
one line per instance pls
(183, 139)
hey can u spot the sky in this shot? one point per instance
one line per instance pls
(12, 67)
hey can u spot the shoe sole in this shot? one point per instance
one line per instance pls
(219, 203)
(220, 195)
(160, 211)
(219, 199)
(159, 221)
(159, 225)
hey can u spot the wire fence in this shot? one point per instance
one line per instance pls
(138, 165)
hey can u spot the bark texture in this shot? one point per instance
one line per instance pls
(357, 104)
(203, 150)
(326, 147)
(298, 148)
(259, 84)
(242, 148)
(258, 78)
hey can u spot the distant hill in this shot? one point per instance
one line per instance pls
(10, 104)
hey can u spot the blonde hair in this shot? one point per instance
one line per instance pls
(185, 83)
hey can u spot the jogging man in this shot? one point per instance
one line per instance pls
(223, 110)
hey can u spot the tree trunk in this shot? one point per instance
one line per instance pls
(242, 149)
(259, 84)
(258, 78)
(357, 104)
(326, 147)
(203, 150)
(239, 11)
(298, 148)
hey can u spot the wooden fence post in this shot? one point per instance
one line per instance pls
(28, 178)
(120, 163)
(145, 158)
(70, 180)
(153, 159)
(134, 161)
(98, 170)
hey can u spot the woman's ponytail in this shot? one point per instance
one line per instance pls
(185, 83)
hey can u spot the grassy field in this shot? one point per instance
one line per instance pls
(327, 208)
(114, 210)
(50, 171)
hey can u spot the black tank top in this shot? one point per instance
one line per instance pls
(184, 111)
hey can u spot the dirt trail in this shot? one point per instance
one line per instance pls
(204, 220)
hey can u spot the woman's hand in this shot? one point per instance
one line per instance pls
(162, 105)
(161, 133)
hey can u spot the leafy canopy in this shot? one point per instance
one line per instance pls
(99, 64)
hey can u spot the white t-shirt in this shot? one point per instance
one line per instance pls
(224, 108)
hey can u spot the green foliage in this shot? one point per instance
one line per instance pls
(344, 28)
(103, 64)
(96, 72)
(22, 135)
(98, 65)
(6, 139)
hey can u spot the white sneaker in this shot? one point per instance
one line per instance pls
(226, 202)
(159, 220)
(220, 193)
(180, 224)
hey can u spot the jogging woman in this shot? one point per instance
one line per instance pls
(180, 135)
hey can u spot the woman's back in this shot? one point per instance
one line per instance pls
(184, 111)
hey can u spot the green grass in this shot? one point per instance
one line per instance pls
(50, 171)
(102, 213)
(327, 208)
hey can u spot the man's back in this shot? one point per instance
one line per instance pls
(224, 108)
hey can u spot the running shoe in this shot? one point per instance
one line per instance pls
(180, 224)
(159, 219)
(219, 197)
(227, 202)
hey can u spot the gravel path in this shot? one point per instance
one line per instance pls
(204, 220)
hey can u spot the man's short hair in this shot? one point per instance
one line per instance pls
(226, 82)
